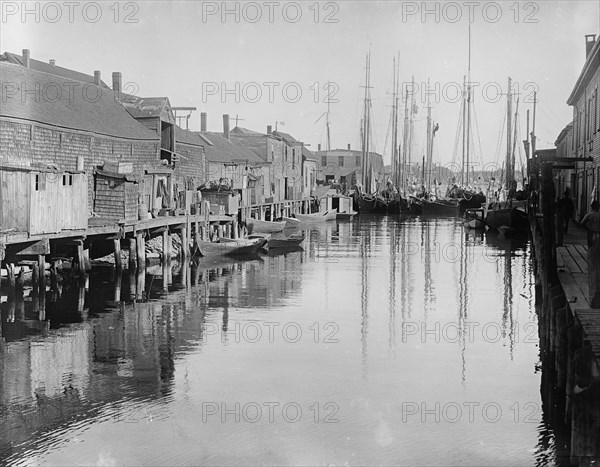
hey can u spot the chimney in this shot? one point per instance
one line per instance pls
(116, 81)
(319, 147)
(590, 40)
(97, 79)
(26, 58)
(202, 121)
(226, 126)
(269, 129)
(52, 62)
(348, 146)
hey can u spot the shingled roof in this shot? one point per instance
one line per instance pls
(60, 107)
(188, 137)
(38, 65)
(220, 149)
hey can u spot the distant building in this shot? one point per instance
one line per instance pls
(566, 178)
(345, 166)
(284, 156)
(248, 172)
(586, 127)
(310, 167)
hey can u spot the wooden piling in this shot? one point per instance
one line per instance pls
(132, 254)
(35, 276)
(80, 259)
(594, 268)
(41, 259)
(166, 238)
(117, 253)
(141, 250)
(10, 275)
(184, 242)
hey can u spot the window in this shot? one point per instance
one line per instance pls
(324, 161)
(67, 180)
(340, 161)
(356, 161)
(40, 182)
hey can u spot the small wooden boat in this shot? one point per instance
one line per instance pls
(474, 219)
(291, 222)
(346, 215)
(440, 207)
(260, 226)
(285, 242)
(231, 247)
(317, 216)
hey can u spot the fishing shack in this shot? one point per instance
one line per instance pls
(42, 200)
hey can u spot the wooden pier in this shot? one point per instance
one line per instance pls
(569, 330)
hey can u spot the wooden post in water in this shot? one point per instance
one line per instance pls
(184, 242)
(80, 257)
(234, 229)
(141, 250)
(117, 252)
(132, 254)
(219, 230)
(42, 267)
(594, 268)
(10, 275)
(166, 240)
(35, 276)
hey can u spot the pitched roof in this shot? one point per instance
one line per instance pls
(286, 137)
(238, 130)
(38, 65)
(308, 154)
(145, 107)
(62, 108)
(188, 137)
(221, 149)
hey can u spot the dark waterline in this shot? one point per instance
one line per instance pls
(385, 340)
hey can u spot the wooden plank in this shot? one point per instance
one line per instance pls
(40, 247)
(568, 261)
(582, 281)
(578, 258)
(573, 292)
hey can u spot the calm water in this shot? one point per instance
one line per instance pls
(383, 341)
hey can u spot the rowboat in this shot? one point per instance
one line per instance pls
(260, 226)
(346, 215)
(474, 219)
(230, 247)
(291, 222)
(440, 207)
(284, 242)
(317, 217)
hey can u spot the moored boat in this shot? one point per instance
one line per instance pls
(439, 207)
(284, 242)
(231, 247)
(474, 219)
(260, 226)
(317, 216)
(291, 222)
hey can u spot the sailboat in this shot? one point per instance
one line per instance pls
(510, 213)
(431, 203)
(468, 198)
(394, 196)
(364, 200)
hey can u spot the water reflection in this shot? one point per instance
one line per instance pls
(112, 356)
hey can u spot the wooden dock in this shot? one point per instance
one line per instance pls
(569, 342)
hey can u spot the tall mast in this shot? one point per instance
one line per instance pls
(514, 140)
(508, 135)
(464, 129)
(364, 129)
(405, 137)
(411, 123)
(468, 121)
(429, 140)
(327, 122)
(397, 173)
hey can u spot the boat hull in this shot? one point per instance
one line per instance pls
(513, 218)
(291, 241)
(317, 217)
(232, 248)
(439, 208)
(260, 226)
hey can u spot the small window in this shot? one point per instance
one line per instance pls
(67, 180)
(357, 161)
(340, 161)
(40, 182)
(324, 161)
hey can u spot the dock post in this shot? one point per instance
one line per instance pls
(42, 270)
(141, 250)
(117, 252)
(10, 274)
(184, 242)
(35, 276)
(132, 254)
(80, 257)
(594, 268)
(219, 230)
(87, 263)
(166, 237)
(234, 230)
(548, 208)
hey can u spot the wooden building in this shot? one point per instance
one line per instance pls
(309, 172)
(345, 165)
(586, 127)
(116, 195)
(249, 174)
(42, 200)
(52, 119)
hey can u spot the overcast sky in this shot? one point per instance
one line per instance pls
(270, 61)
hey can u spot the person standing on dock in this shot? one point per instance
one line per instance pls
(592, 222)
(565, 209)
